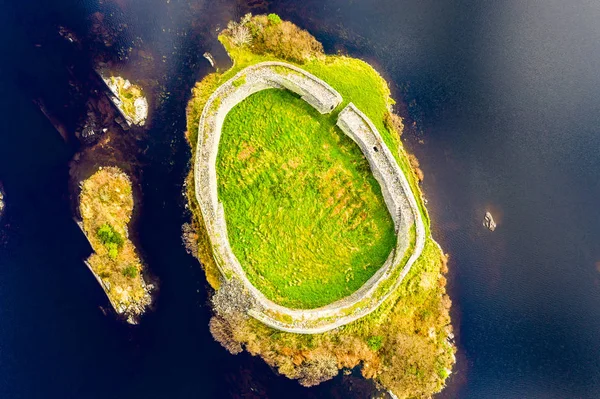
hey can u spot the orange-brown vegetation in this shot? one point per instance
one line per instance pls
(394, 122)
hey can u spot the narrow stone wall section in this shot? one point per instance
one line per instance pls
(383, 165)
(398, 196)
(395, 188)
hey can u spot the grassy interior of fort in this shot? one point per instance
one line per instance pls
(305, 216)
(106, 205)
(405, 344)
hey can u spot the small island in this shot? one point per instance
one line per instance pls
(106, 205)
(308, 216)
(129, 99)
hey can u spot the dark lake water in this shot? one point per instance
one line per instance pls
(506, 100)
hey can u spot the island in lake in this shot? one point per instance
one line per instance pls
(308, 217)
(1, 201)
(129, 99)
(105, 206)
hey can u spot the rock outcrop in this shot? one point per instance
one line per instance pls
(488, 222)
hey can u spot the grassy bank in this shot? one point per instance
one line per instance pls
(403, 345)
(305, 215)
(106, 205)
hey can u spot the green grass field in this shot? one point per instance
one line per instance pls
(304, 213)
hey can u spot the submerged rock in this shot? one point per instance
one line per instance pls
(488, 222)
(210, 58)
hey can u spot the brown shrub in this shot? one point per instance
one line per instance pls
(204, 250)
(394, 123)
(189, 237)
(408, 364)
(316, 370)
(446, 301)
(284, 40)
(442, 282)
